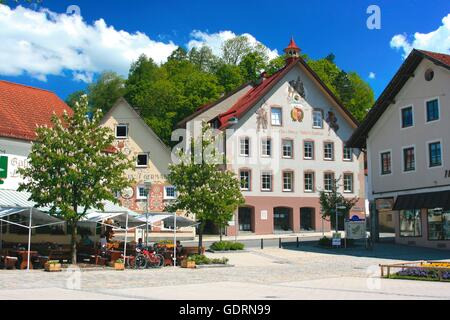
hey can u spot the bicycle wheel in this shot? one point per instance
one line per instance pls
(161, 260)
(156, 261)
(140, 262)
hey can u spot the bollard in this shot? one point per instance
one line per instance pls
(298, 242)
(279, 243)
(262, 244)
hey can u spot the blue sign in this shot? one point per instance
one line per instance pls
(355, 218)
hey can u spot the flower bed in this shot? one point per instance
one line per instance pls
(227, 246)
(427, 271)
(204, 260)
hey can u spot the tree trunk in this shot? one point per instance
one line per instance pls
(73, 242)
(201, 228)
(220, 233)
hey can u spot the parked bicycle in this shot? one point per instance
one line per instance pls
(146, 257)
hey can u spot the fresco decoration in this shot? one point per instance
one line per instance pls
(332, 121)
(123, 146)
(261, 118)
(127, 193)
(157, 198)
(296, 90)
(297, 114)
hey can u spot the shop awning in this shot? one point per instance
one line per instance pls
(168, 219)
(431, 200)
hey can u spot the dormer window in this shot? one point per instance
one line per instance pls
(122, 131)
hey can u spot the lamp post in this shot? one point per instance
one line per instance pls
(148, 185)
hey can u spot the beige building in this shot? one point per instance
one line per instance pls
(285, 140)
(407, 137)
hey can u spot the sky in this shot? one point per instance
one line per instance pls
(63, 45)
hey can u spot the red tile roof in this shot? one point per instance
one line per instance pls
(22, 108)
(292, 45)
(443, 58)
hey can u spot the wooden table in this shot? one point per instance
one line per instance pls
(23, 256)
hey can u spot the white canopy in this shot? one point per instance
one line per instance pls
(168, 218)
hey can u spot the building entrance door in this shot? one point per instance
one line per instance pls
(281, 219)
(245, 219)
(307, 219)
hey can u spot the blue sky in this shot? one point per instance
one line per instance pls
(63, 54)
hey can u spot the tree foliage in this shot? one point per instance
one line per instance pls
(203, 188)
(69, 170)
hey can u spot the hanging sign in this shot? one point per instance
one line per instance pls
(297, 114)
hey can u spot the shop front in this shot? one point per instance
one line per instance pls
(423, 219)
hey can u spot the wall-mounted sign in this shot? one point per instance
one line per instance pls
(385, 204)
(3, 168)
(264, 215)
(297, 114)
(9, 175)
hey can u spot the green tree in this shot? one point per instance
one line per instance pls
(329, 200)
(229, 77)
(252, 64)
(362, 98)
(69, 170)
(203, 188)
(74, 97)
(102, 94)
(204, 59)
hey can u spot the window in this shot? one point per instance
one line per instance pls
(328, 151)
(348, 182)
(266, 145)
(142, 160)
(276, 116)
(432, 110)
(122, 131)
(410, 223)
(348, 154)
(409, 159)
(407, 117)
(141, 193)
(266, 181)
(386, 163)
(309, 181)
(435, 154)
(317, 119)
(245, 147)
(288, 180)
(288, 149)
(244, 176)
(438, 225)
(170, 192)
(309, 150)
(328, 181)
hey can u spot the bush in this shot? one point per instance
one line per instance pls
(325, 242)
(227, 246)
(202, 260)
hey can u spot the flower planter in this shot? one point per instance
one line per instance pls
(188, 264)
(52, 267)
(119, 266)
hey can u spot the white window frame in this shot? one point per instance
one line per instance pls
(121, 125)
(403, 159)
(413, 117)
(249, 179)
(380, 163)
(333, 177)
(343, 154)
(429, 155)
(352, 182)
(332, 151)
(280, 113)
(312, 181)
(291, 143)
(426, 110)
(137, 160)
(138, 193)
(268, 141)
(312, 150)
(241, 146)
(166, 197)
(321, 119)
(270, 174)
(291, 173)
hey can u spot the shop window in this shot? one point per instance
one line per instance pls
(438, 225)
(410, 223)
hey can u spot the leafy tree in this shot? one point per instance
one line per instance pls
(252, 64)
(203, 188)
(233, 50)
(109, 87)
(74, 97)
(204, 59)
(179, 54)
(330, 200)
(275, 64)
(362, 98)
(69, 170)
(229, 77)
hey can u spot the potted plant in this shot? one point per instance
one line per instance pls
(52, 266)
(188, 263)
(119, 264)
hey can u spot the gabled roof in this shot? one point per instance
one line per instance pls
(125, 102)
(208, 106)
(406, 71)
(255, 95)
(22, 108)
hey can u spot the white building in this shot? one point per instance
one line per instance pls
(407, 136)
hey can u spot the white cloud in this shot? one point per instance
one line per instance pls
(215, 41)
(372, 75)
(42, 43)
(437, 40)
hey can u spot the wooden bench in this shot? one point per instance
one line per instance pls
(7, 261)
